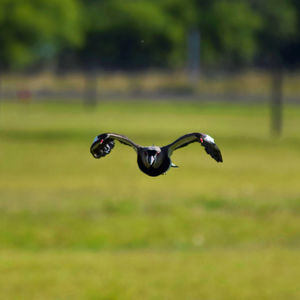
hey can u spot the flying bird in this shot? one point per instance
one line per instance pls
(154, 160)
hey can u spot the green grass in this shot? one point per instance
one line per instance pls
(72, 227)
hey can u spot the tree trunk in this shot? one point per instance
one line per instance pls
(193, 55)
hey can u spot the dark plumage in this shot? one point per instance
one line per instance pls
(154, 160)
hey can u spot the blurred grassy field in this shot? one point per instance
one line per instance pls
(72, 227)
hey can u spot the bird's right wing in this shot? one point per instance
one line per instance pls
(104, 143)
(206, 141)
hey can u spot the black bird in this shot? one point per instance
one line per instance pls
(154, 160)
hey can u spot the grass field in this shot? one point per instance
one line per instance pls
(72, 227)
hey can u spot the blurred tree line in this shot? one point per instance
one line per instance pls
(118, 34)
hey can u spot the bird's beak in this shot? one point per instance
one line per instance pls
(151, 159)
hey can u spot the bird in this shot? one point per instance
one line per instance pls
(154, 160)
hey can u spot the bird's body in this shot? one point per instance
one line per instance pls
(161, 163)
(154, 160)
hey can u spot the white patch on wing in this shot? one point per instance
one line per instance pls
(209, 139)
(95, 139)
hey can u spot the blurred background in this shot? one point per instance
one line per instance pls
(72, 227)
(203, 50)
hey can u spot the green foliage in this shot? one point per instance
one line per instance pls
(37, 29)
(279, 27)
(143, 34)
(228, 31)
(133, 34)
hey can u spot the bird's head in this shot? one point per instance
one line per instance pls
(149, 155)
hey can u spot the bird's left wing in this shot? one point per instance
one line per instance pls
(206, 141)
(104, 143)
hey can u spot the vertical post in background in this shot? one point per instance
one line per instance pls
(0, 96)
(193, 55)
(276, 100)
(90, 98)
(0, 84)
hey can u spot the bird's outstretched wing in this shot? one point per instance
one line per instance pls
(205, 140)
(104, 143)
